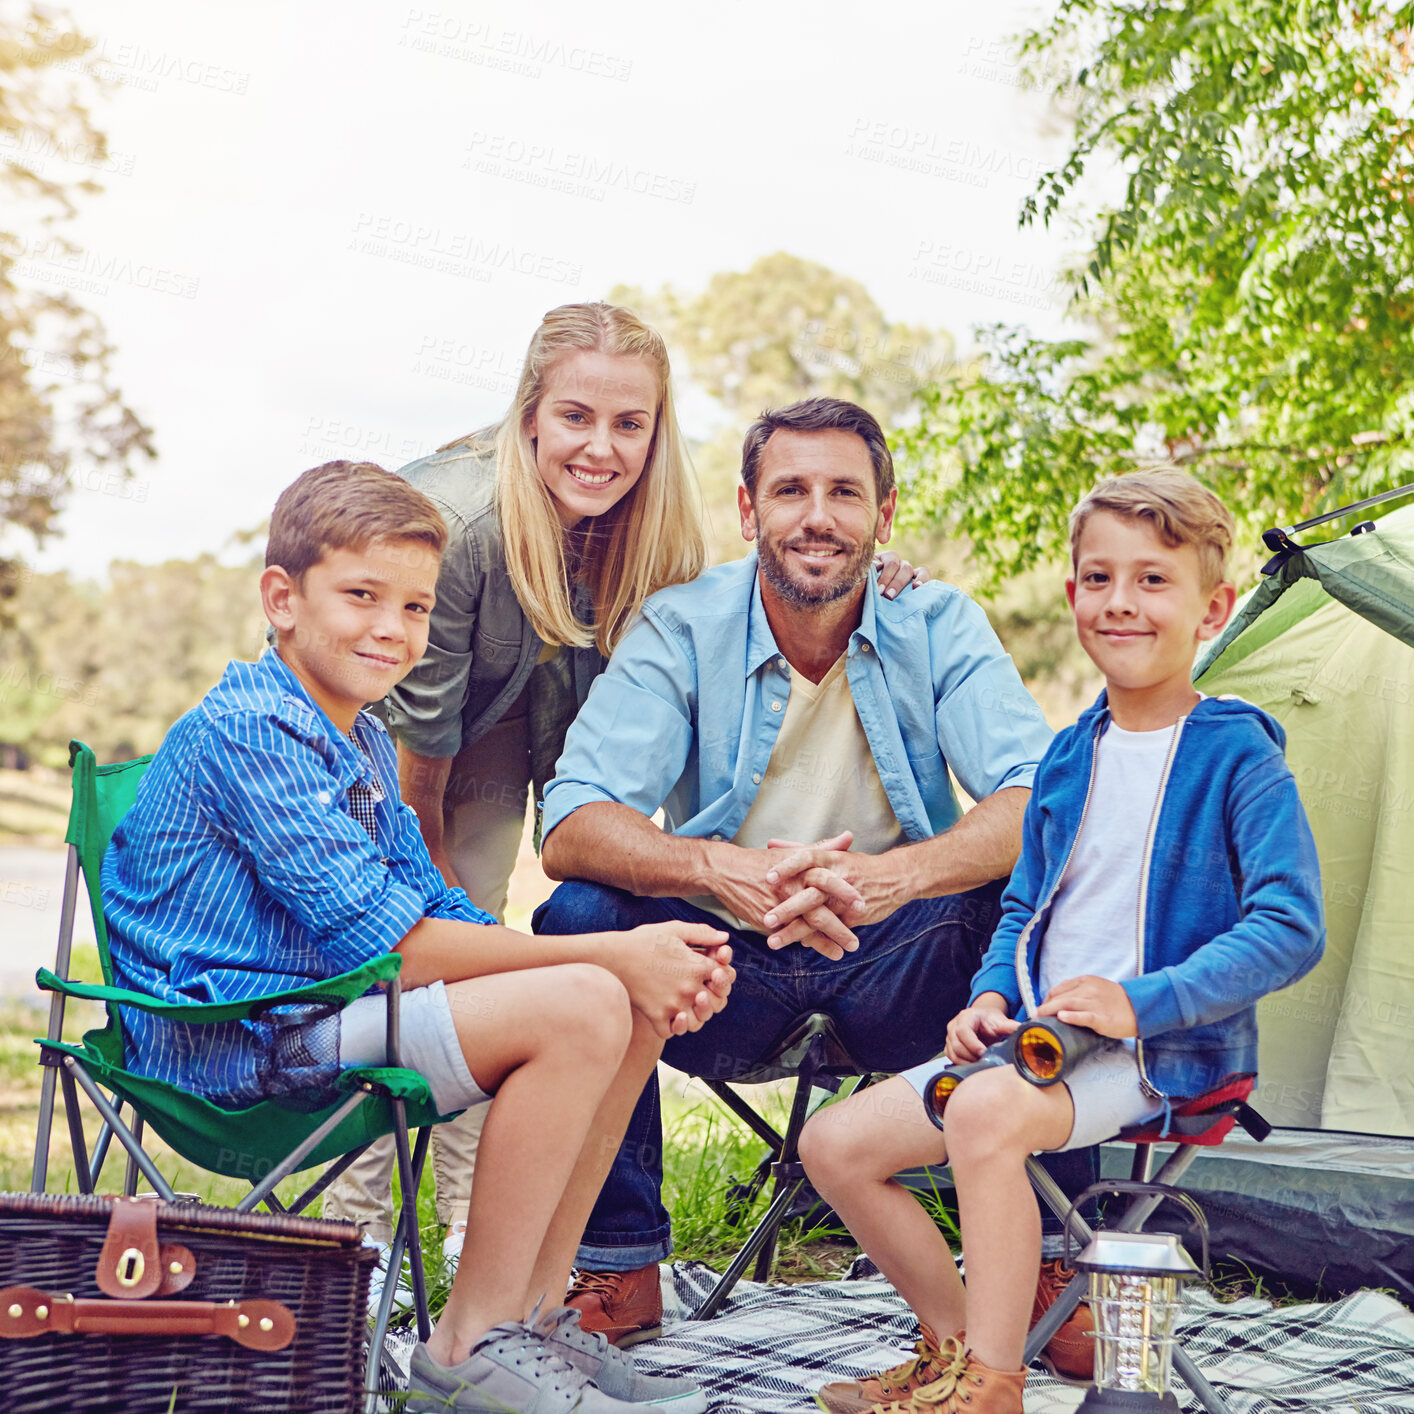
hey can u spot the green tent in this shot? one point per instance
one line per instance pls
(1326, 645)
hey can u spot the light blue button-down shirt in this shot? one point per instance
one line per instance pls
(686, 714)
(240, 872)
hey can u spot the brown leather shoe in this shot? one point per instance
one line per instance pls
(625, 1307)
(927, 1362)
(1070, 1353)
(966, 1386)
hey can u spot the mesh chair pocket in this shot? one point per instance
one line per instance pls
(298, 1064)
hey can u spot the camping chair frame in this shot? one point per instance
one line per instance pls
(1202, 1121)
(398, 1091)
(811, 1051)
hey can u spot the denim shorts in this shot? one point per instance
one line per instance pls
(1104, 1089)
(427, 1040)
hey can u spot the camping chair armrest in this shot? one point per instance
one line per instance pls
(345, 987)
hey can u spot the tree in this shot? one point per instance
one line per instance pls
(1249, 301)
(60, 410)
(785, 329)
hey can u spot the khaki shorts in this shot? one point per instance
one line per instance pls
(427, 1040)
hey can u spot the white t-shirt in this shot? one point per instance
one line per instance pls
(821, 779)
(1094, 921)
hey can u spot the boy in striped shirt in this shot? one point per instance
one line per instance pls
(268, 849)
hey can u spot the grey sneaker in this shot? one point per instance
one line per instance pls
(509, 1371)
(611, 1370)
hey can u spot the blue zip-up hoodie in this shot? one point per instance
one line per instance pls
(1230, 907)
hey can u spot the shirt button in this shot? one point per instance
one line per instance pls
(324, 797)
(863, 647)
(781, 664)
(775, 706)
(717, 838)
(756, 778)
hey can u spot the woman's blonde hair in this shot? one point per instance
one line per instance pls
(652, 538)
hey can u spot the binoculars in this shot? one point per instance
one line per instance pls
(1043, 1050)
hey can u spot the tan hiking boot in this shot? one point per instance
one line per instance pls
(625, 1307)
(1070, 1353)
(927, 1362)
(966, 1386)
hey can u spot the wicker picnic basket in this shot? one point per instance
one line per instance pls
(139, 1305)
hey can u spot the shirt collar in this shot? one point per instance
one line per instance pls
(761, 643)
(357, 764)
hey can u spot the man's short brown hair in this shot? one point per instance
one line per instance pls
(347, 506)
(819, 415)
(1181, 510)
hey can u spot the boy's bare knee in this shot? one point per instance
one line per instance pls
(836, 1144)
(591, 1005)
(987, 1116)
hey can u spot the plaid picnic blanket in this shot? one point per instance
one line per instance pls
(772, 1347)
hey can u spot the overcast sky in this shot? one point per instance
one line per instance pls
(330, 229)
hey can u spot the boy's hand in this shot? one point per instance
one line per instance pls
(1096, 1002)
(978, 1026)
(677, 974)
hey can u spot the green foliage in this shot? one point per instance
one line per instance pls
(116, 668)
(1251, 299)
(60, 410)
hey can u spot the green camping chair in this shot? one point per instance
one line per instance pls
(264, 1143)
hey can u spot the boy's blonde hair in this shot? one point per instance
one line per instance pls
(347, 506)
(652, 538)
(1181, 510)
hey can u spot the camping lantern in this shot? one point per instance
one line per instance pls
(1136, 1284)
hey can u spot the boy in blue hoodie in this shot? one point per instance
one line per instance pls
(1167, 881)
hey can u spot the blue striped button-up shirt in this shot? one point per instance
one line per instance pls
(239, 871)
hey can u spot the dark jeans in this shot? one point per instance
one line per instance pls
(891, 1002)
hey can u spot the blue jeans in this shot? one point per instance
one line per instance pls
(890, 1001)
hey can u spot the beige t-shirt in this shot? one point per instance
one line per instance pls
(821, 779)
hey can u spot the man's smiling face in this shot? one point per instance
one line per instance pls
(815, 515)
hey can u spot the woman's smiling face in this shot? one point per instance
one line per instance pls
(593, 429)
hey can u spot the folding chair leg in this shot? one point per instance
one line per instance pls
(1207, 1396)
(39, 1175)
(73, 1071)
(77, 1142)
(292, 1161)
(331, 1172)
(733, 1274)
(130, 1176)
(395, 1264)
(409, 1180)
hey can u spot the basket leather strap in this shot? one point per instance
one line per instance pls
(132, 1263)
(26, 1312)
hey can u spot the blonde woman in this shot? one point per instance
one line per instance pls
(562, 518)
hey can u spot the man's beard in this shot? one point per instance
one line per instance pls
(814, 592)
